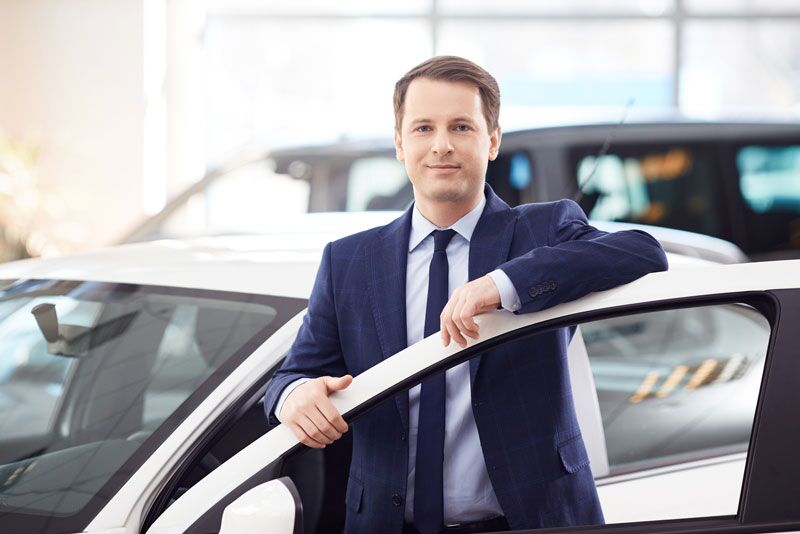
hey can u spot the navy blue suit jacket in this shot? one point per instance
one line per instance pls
(521, 393)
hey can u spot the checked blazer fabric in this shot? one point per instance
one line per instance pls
(521, 395)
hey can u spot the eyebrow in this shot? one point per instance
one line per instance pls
(456, 119)
(463, 119)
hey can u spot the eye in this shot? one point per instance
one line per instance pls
(422, 128)
(462, 127)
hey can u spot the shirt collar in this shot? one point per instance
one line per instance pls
(422, 227)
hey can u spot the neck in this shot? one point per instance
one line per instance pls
(444, 214)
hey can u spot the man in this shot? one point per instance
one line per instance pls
(493, 444)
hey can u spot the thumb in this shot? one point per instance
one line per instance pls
(337, 383)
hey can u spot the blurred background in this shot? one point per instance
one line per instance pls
(110, 108)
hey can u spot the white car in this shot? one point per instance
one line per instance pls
(131, 377)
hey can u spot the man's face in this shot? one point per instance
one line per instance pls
(444, 141)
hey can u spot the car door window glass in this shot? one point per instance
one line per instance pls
(676, 384)
(676, 387)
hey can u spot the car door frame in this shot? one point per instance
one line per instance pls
(261, 460)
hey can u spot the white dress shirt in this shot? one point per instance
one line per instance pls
(468, 493)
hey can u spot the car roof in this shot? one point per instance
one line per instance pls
(281, 263)
(637, 131)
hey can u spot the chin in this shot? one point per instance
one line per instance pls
(448, 194)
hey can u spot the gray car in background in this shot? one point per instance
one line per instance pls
(738, 182)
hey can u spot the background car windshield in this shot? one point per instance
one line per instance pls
(79, 414)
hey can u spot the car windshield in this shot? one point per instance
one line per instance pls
(95, 376)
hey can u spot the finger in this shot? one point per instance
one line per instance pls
(447, 318)
(443, 319)
(330, 413)
(455, 333)
(313, 431)
(449, 327)
(457, 313)
(329, 434)
(324, 425)
(462, 310)
(304, 438)
(467, 316)
(445, 336)
(334, 383)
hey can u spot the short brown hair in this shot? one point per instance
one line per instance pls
(452, 69)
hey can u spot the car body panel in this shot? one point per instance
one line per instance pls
(708, 488)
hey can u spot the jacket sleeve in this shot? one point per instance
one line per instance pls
(580, 259)
(316, 351)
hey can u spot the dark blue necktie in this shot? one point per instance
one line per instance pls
(428, 486)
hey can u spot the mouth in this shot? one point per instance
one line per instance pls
(443, 168)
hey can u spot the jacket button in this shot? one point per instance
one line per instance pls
(397, 500)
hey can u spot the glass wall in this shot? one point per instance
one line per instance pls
(314, 72)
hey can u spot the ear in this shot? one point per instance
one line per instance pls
(494, 143)
(398, 145)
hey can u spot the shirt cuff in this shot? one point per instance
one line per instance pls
(285, 393)
(509, 299)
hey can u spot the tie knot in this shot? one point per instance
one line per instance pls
(441, 238)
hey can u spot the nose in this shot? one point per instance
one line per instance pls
(441, 142)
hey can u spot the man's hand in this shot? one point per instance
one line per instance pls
(467, 301)
(311, 415)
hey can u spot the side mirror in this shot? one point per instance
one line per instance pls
(271, 507)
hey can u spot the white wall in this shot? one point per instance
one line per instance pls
(71, 81)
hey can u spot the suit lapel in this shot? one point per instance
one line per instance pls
(490, 246)
(387, 263)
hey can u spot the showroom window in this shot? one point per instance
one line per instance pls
(270, 81)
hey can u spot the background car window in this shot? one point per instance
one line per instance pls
(378, 183)
(769, 182)
(674, 186)
(511, 177)
(248, 199)
(82, 413)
